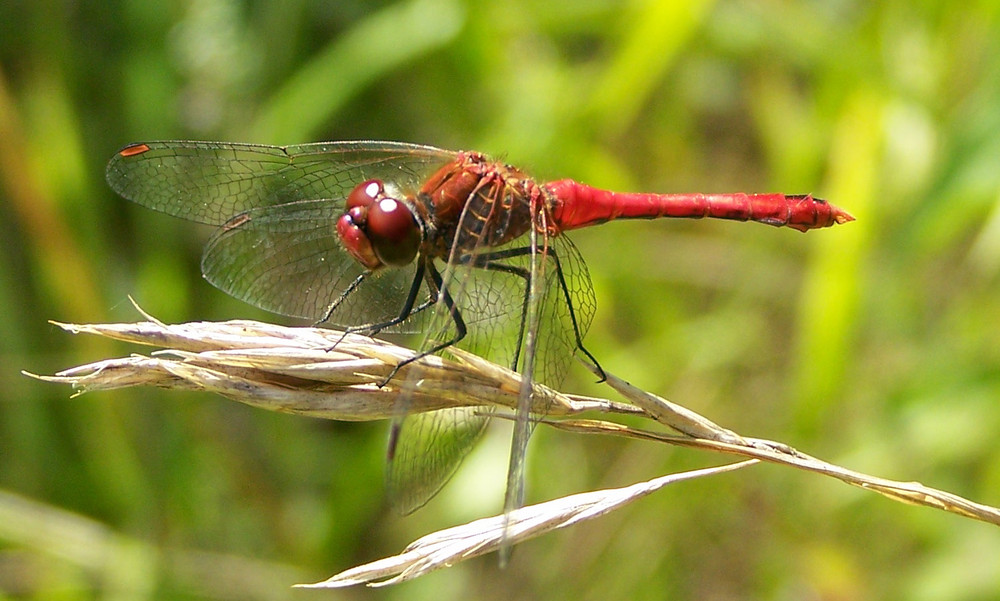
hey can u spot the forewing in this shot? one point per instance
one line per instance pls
(211, 182)
(287, 259)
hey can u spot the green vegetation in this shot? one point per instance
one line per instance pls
(875, 345)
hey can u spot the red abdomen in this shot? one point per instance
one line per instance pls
(576, 205)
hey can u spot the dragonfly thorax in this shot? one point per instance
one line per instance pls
(474, 202)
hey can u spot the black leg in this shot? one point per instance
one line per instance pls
(343, 295)
(405, 311)
(526, 276)
(370, 329)
(572, 317)
(491, 261)
(436, 283)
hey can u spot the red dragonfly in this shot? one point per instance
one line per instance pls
(386, 236)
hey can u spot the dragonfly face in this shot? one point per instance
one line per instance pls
(378, 230)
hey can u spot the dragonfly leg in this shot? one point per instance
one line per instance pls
(492, 261)
(526, 276)
(340, 298)
(370, 329)
(435, 281)
(572, 317)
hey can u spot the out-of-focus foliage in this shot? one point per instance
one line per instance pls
(875, 345)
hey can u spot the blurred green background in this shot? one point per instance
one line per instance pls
(875, 345)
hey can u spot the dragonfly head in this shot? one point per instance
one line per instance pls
(377, 229)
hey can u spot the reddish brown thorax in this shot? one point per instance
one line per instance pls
(474, 201)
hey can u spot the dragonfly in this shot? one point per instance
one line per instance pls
(381, 237)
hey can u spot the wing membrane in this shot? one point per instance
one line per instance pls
(210, 182)
(430, 449)
(491, 299)
(287, 259)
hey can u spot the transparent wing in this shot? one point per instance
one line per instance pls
(427, 453)
(278, 206)
(286, 259)
(491, 293)
(210, 182)
(566, 310)
(559, 308)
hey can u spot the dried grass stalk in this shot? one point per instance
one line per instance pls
(309, 371)
(328, 374)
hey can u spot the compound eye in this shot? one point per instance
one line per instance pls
(365, 193)
(356, 242)
(393, 231)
